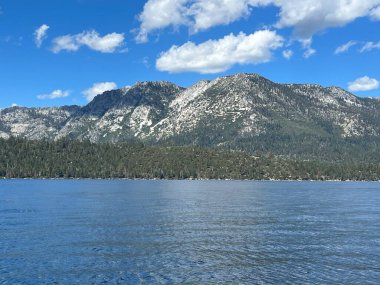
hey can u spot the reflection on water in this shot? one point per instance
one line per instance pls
(194, 232)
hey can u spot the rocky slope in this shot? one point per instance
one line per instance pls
(34, 123)
(243, 111)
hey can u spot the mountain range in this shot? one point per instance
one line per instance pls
(242, 112)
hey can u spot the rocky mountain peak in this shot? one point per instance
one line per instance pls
(242, 111)
(341, 93)
(244, 77)
(160, 84)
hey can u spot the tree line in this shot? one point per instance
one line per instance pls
(20, 158)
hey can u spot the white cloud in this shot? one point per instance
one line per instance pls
(363, 84)
(106, 44)
(345, 47)
(309, 52)
(307, 17)
(67, 43)
(287, 54)
(370, 46)
(98, 88)
(215, 56)
(158, 14)
(306, 44)
(205, 14)
(54, 95)
(197, 15)
(375, 14)
(40, 34)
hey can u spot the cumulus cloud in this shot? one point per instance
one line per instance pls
(206, 14)
(307, 17)
(215, 56)
(345, 47)
(40, 34)
(198, 15)
(364, 83)
(98, 88)
(287, 54)
(370, 46)
(375, 14)
(159, 14)
(67, 43)
(54, 95)
(106, 44)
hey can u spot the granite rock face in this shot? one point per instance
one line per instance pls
(234, 111)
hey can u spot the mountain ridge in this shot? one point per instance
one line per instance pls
(240, 112)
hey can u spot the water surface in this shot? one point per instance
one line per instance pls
(189, 232)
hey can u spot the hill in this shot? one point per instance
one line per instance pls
(242, 112)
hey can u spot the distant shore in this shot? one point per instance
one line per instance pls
(187, 179)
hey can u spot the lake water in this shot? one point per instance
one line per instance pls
(189, 232)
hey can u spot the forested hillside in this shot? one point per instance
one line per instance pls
(20, 158)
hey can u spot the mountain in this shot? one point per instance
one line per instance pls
(240, 112)
(122, 115)
(34, 123)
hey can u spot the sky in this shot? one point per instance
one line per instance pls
(64, 52)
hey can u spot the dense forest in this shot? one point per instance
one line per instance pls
(21, 158)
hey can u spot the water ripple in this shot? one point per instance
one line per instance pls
(189, 232)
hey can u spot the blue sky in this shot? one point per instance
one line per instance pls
(63, 52)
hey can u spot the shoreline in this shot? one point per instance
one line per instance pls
(189, 179)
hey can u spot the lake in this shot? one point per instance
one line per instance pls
(189, 232)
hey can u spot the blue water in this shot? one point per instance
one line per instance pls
(189, 232)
